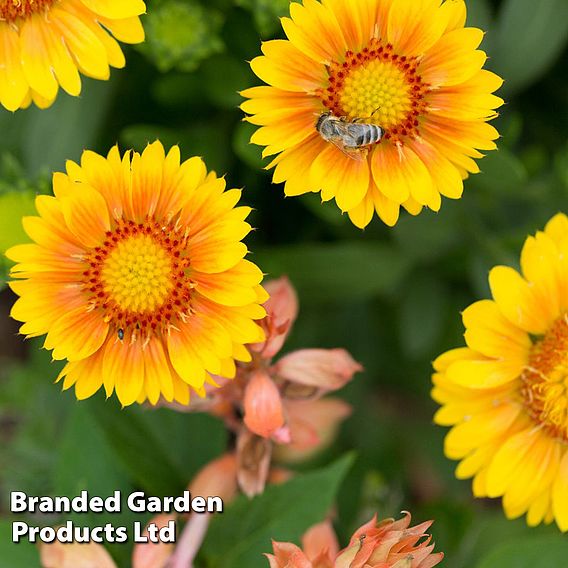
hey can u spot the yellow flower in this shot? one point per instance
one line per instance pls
(506, 394)
(46, 43)
(408, 66)
(138, 277)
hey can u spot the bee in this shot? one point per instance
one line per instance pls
(121, 334)
(351, 136)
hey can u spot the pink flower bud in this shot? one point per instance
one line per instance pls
(154, 554)
(327, 369)
(282, 310)
(217, 478)
(263, 405)
(74, 555)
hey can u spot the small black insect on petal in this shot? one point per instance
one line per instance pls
(121, 334)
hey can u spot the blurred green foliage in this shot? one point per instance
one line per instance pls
(390, 296)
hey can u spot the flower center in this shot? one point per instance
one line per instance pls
(139, 278)
(11, 10)
(136, 274)
(379, 87)
(545, 380)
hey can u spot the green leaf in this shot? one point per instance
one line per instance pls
(20, 555)
(424, 301)
(244, 532)
(94, 468)
(13, 206)
(528, 552)
(528, 38)
(430, 235)
(479, 14)
(501, 172)
(236, 76)
(160, 449)
(323, 272)
(137, 448)
(63, 131)
(180, 34)
(267, 13)
(247, 152)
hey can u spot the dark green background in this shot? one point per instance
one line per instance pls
(390, 296)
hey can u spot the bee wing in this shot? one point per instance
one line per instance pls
(347, 142)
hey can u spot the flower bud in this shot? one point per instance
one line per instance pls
(263, 405)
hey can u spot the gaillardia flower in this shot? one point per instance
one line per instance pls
(407, 66)
(46, 43)
(137, 275)
(384, 544)
(506, 394)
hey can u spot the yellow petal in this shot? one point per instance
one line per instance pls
(36, 63)
(124, 368)
(86, 215)
(13, 83)
(76, 335)
(89, 53)
(414, 27)
(116, 10)
(484, 373)
(454, 59)
(510, 458)
(560, 494)
(479, 430)
(340, 176)
(517, 301)
(399, 174)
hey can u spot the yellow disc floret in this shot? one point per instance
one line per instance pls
(11, 10)
(377, 90)
(378, 86)
(137, 274)
(546, 380)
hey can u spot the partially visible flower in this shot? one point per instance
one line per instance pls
(138, 276)
(75, 555)
(385, 544)
(154, 554)
(47, 43)
(271, 405)
(409, 67)
(505, 395)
